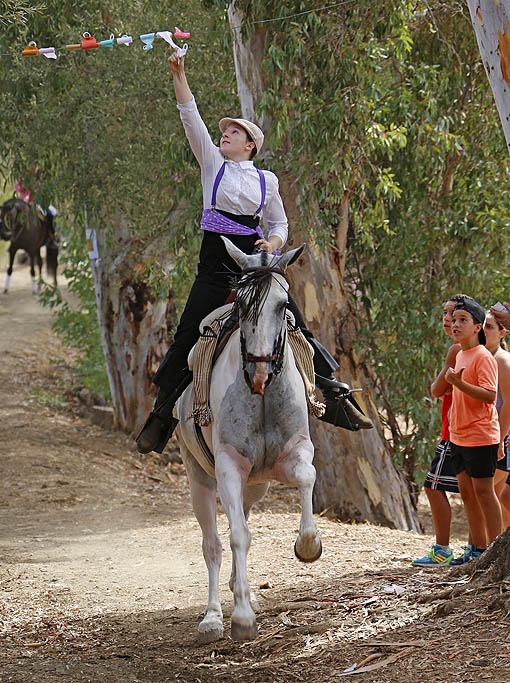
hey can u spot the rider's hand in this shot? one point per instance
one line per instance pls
(176, 64)
(270, 245)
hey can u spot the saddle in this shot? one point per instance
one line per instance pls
(215, 331)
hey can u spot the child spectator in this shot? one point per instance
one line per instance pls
(495, 342)
(441, 475)
(474, 426)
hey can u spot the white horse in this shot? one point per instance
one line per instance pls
(259, 433)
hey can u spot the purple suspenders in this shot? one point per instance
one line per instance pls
(216, 222)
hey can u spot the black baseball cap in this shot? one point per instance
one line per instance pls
(477, 312)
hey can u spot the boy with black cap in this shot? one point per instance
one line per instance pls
(441, 476)
(474, 426)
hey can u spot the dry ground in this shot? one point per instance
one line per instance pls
(102, 579)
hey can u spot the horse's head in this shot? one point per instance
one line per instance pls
(5, 214)
(262, 296)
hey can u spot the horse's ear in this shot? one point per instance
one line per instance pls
(239, 256)
(290, 256)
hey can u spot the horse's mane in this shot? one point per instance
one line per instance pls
(253, 287)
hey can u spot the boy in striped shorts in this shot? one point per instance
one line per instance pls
(441, 476)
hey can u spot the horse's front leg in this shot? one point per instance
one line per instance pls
(12, 254)
(203, 497)
(232, 470)
(297, 469)
(252, 494)
(39, 261)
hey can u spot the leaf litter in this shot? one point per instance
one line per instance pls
(107, 582)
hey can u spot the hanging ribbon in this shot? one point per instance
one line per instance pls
(108, 43)
(48, 52)
(148, 39)
(31, 50)
(88, 42)
(167, 36)
(125, 40)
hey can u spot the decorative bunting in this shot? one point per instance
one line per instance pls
(30, 50)
(108, 43)
(180, 34)
(167, 36)
(125, 40)
(88, 42)
(48, 52)
(148, 39)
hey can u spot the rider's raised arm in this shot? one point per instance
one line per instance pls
(196, 131)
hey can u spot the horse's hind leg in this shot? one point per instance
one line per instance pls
(12, 254)
(252, 494)
(203, 497)
(299, 471)
(232, 471)
(32, 272)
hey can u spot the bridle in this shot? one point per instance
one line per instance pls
(277, 356)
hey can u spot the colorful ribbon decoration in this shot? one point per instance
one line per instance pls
(31, 50)
(88, 42)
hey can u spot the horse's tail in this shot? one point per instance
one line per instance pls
(52, 258)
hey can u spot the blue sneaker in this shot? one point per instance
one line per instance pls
(471, 552)
(437, 557)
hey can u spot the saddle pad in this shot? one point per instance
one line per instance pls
(218, 315)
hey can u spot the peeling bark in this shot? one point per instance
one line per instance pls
(491, 22)
(133, 325)
(356, 478)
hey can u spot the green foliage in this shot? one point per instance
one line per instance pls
(388, 104)
(104, 132)
(384, 103)
(17, 12)
(48, 398)
(75, 320)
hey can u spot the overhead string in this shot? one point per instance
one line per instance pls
(89, 42)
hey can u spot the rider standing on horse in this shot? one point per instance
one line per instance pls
(235, 194)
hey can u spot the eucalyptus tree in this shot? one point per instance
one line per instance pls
(377, 114)
(491, 26)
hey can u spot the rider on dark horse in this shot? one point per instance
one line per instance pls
(235, 194)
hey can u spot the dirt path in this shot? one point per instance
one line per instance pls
(102, 577)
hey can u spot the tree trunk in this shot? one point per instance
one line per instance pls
(356, 478)
(491, 22)
(133, 326)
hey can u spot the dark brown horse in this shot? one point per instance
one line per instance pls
(28, 229)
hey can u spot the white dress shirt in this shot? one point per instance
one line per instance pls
(239, 189)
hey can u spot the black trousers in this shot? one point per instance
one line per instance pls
(210, 290)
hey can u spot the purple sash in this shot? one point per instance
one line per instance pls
(217, 222)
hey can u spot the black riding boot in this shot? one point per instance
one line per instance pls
(160, 425)
(341, 408)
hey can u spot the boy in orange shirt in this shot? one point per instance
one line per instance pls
(474, 426)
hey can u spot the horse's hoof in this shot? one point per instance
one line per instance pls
(209, 631)
(243, 630)
(305, 557)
